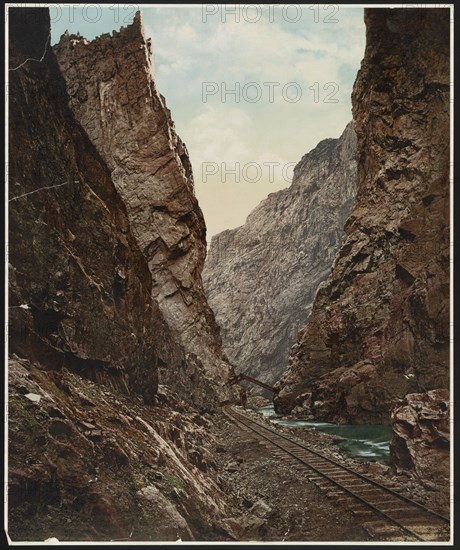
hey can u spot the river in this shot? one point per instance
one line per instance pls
(365, 441)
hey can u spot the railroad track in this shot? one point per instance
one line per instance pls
(386, 514)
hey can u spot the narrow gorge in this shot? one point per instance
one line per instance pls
(125, 421)
(261, 278)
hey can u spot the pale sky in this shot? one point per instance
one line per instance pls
(291, 71)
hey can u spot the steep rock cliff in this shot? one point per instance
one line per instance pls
(113, 95)
(261, 278)
(80, 288)
(380, 323)
(96, 447)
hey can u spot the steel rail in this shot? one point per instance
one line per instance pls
(249, 424)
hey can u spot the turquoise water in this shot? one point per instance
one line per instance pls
(366, 441)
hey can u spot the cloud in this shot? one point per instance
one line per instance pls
(216, 134)
(321, 59)
(234, 51)
(227, 137)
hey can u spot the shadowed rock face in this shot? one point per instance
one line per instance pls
(380, 323)
(87, 459)
(261, 278)
(80, 288)
(113, 95)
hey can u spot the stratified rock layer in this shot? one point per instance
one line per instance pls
(421, 440)
(261, 278)
(113, 95)
(382, 317)
(80, 288)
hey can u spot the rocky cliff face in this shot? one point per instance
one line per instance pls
(261, 278)
(80, 288)
(113, 95)
(380, 323)
(96, 447)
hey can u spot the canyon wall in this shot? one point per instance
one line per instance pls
(379, 327)
(80, 288)
(96, 446)
(261, 278)
(113, 95)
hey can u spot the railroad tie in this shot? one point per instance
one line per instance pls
(401, 518)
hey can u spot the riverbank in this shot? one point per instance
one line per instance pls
(365, 441)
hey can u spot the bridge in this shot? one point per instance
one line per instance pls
(239, 377)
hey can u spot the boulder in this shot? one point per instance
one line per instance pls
(261, 509)
(421, 440)
(169, 524)
(245, 527)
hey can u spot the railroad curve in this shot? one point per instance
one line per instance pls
(387, 514)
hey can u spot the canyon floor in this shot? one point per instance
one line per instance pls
(292, 507)
(89, 463)
(276, 502)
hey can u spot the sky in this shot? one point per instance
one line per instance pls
(251, 88)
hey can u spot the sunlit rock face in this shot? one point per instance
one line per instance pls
(113, 95)
(379, 327)
(261, 278)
